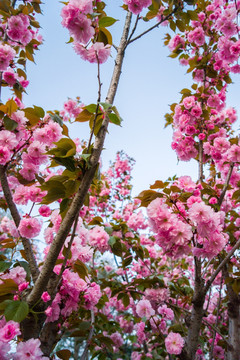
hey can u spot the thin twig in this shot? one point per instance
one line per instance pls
(85, 352)
(98, 101)
(17, 218)
(216, 323)
(205, 321)
(153, 27)
(200, 154)
(220, 266)
(67, 251)
(221, 198)
(134, 29)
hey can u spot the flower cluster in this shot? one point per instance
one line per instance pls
(76, 19)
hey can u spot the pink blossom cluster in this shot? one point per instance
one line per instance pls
(136, 6)
(97, 52)
(17, 274)
(82, 29)
(29, 349)
(144, 309)
(172, 234)
(98, 238)
(190, 121)
(209, 225)
(72, 290)
(7, 54)
(72, 108)
(174, 343)
(11, 77)
(18, 29)
(8, 331)
(29, 227)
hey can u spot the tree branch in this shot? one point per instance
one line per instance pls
(16, 218)
(78, 200)
(221, 198)
(98, 101)
(216, 323)
(134, 29)
(200, 154)
(220, 267)
(153, 27)
(85, 352)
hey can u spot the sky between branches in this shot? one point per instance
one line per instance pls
(149, 83)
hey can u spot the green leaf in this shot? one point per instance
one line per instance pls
(64, 148)
(67, 162)
(56, 190)
(106, 341)
(84, 325)
(32, 115)
(157, 185)
(56, 118)
(4, 304)
(105, 105)
(147, 196)
(9, 123)
(91, 108)
(7, 286)
(81, 269)
(39, 111)
(104, 36)
(4, 265)
(16, 311)
(64, 205)
(97, 220)
(114, 119)
(64, 354)
(236, 286)
(181, 26)
(84, 116)
(106, 21)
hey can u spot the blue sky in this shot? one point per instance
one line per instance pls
(150, 82)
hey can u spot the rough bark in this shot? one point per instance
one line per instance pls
(233, 352)
(197, 313)
(56, 246)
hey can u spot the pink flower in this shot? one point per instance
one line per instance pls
(8, 139)
(29, 228)
(189, 102)
(4, 351)
(77, 23)
(45, 296)
(176, 41)
(99, 238)
(197, 36)
(144, 309)
(29, 350)
(10, 77)
(45, 211)
(17, 274)
(9, 331)
(174, 343)
(23, 286)
(234, 153)
(136, 6)
(7, 54)
(98, 52)
(167, 313)
(92, 295)
(5, 155)
(21, 195)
